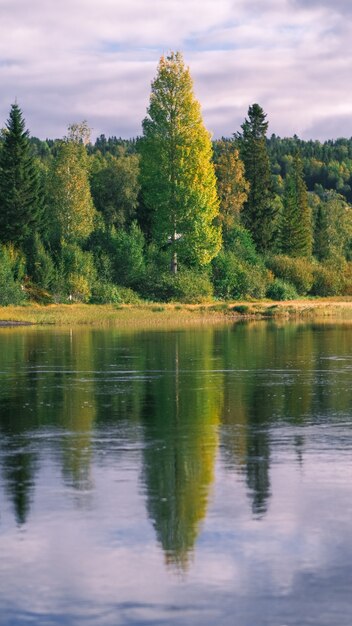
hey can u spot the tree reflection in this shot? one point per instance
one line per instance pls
(181, 416)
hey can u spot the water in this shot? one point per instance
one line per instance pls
(198, 477)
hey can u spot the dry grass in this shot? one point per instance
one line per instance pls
(174, 315)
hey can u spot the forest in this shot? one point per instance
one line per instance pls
(173, 215)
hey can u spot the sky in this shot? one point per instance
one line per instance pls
(71, 60)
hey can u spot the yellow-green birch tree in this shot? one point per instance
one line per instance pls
(177, 174)
(70, 200)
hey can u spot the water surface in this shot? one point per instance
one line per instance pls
(198, 477)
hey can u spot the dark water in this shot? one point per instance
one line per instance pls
(191, 477)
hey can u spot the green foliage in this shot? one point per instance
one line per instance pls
(232, 185)
(115, 188)
(76, 274)
(71, 207)
(258, 214)
(234, 278)
(186, 286)
(40, 265)
(105, 293)
(128, 256)
(296, 236)
(240, 242)
(281, 290)
(21, 204)
(333, 228)
(11, 273)
(298, 272)
(108, 293)
(177, 175)
(327, 282)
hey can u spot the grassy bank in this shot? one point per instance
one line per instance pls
(174, 315)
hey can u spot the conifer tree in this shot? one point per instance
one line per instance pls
(296, 236)
(177, 174)
(21, 207)
(259, 211)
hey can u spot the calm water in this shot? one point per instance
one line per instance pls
(164, 478)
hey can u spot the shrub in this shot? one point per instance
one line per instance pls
(78, 287)
(41, 267)
(108, 293)
(11, 270)
(233, 278)
(128, 256)
(297, 271)
(105, 293)
(327, 282)
(187, 286)
(239, 241)
(75, 276)
(281, 290)
(347, 278)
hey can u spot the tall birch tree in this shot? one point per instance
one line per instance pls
(177, 173)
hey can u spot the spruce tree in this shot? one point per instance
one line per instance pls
(296, 236)
(258, 214)
(177, 173)
(20, 201)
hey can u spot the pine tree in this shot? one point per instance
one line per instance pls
(259, 212)
(296, 235)
(21, 207)
(177, 174)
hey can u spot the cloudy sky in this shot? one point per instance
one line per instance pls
(70, 60)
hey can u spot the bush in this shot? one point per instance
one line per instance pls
(233, 278)
(239, 241)
(11, 271)
(76, 274)
(327, 282)
(40, 265)
(108, 293)
(347, 279)
(187, 286)
(128, 256)
(105, 293)
(280, 290)
(297, 271)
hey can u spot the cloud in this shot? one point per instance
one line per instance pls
(80, 59)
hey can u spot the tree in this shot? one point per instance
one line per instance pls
(20, 202)
(259, 211)
(333, 228)
(296, 236)
(69, 193)
(115, 187)
(232, 186)
(177, 175)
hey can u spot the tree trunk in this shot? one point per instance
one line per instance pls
(173, 264)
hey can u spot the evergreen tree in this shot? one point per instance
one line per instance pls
(259, 211)
(296, 237)
(20, 202)
(177, 174)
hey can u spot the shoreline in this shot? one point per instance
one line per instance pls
(175, 314)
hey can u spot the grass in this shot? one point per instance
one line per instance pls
(174, 315)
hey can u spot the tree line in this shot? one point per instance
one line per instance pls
(173, 215)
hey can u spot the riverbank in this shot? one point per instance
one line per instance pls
(173, 315)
